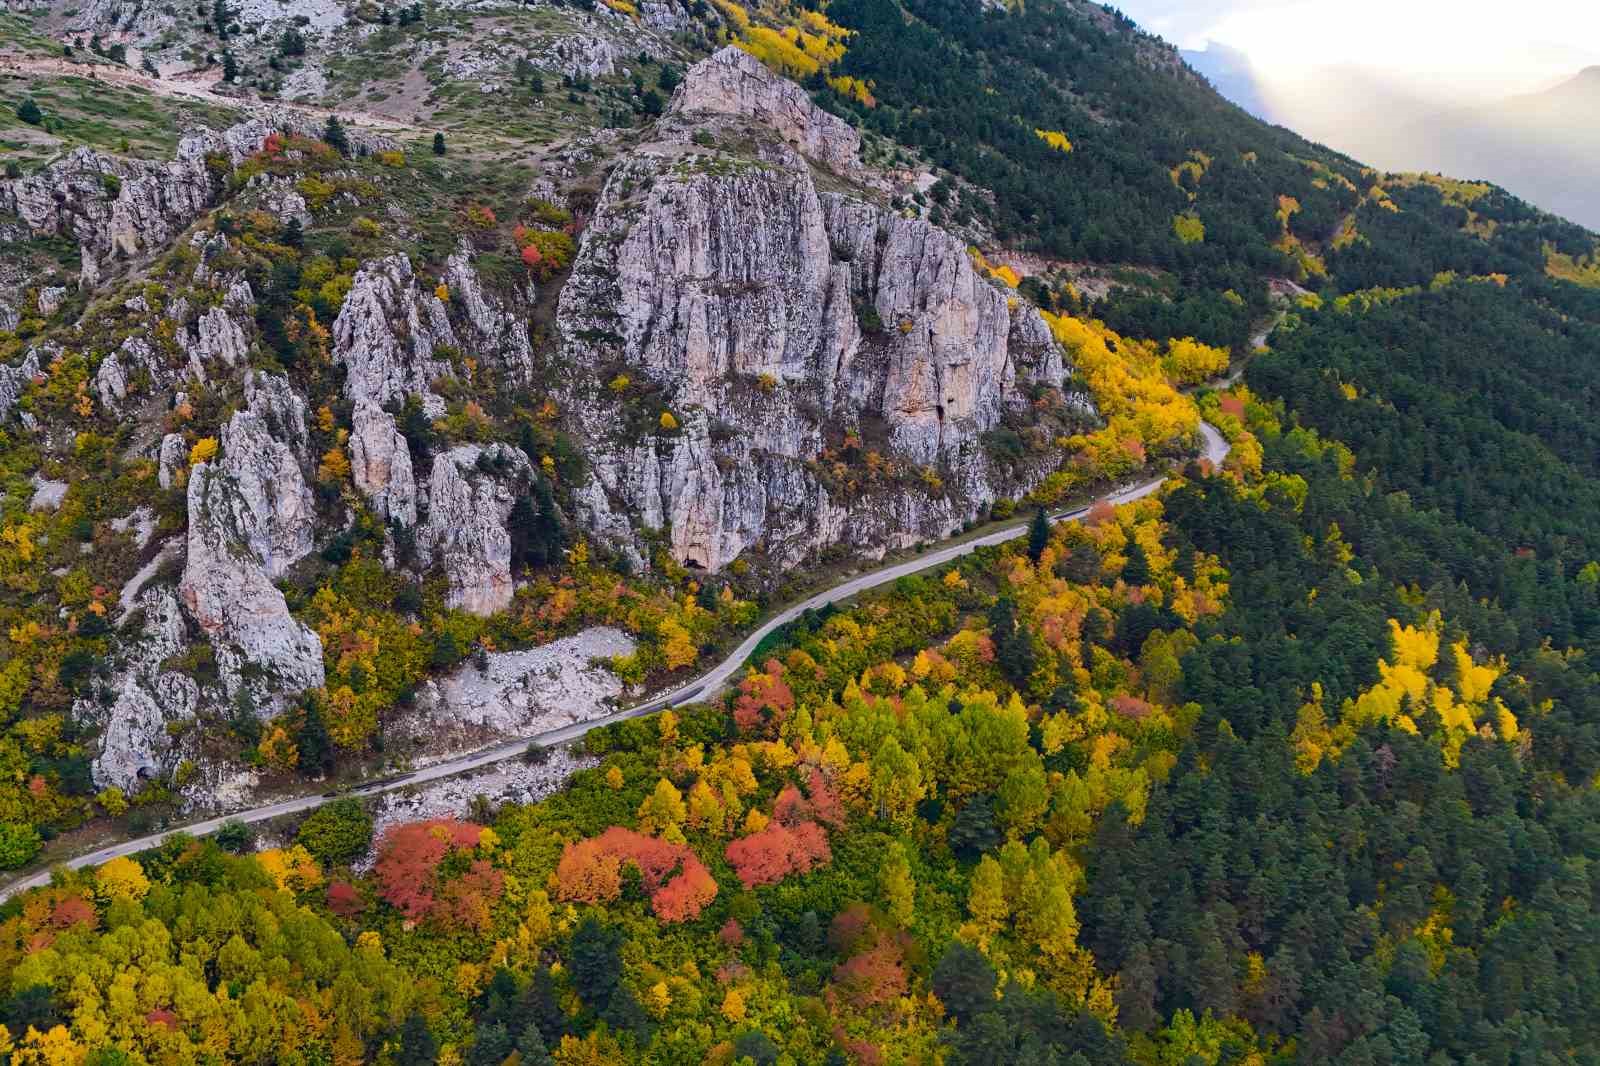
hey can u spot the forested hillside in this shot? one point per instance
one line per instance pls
(1294, 761)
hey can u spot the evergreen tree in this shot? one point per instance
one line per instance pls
(316, 747)
(973, 830)
(28, 111)
(438, 144)
(1137, 569)
(1038, 534)
(548, 539)
(230, 67)
(492, 1046)
(417, 1045)
(1013, 646)
(964, 982)
(533, 1049)
(542, 1007)
(596, 963)
(334, 134)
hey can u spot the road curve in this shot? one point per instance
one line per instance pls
(1215, 450)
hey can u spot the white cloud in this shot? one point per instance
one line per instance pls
(1458, 46)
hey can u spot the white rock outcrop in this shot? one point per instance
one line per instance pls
(170, 457)
(470, 496)
(521, 692)
(127, 208)
(217, 339)
(386, 336)
(490, 329)
(380, 465)
(735, 83)
(251, 517)
(14, 381)
(738, 290)
(135, 741)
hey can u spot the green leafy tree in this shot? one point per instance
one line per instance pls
(337, 833)
(235, 836)
(18, 845)
(897, 886)
(438, 144)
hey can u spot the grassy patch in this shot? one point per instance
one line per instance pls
(82, 111)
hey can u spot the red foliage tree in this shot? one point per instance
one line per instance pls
(71, 911)
(790, 807)
(874, 978)
(767, 857)
(588, 873)
(764, 700)
(409, 858)
(686, 895)
(344, 900)
(1131, 707)
(469, 896)
(852, 930)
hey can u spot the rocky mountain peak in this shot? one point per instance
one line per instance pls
(734, 83)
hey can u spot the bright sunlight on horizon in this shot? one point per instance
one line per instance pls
(1456, 47)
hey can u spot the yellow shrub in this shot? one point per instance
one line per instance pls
(1055, 139)
(204, 450)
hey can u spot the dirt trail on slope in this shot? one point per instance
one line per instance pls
(197, 86)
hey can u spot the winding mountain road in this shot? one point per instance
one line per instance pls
(709, 684)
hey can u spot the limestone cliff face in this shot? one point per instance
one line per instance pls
(145, 698)
(740, 290)
(380, 465)
(251, 517)
(470, 497)
(391, 335)
(387, 336)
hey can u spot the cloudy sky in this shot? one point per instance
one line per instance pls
(1460, 47)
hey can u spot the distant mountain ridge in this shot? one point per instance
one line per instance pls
(1542, 146)
(1230, 71)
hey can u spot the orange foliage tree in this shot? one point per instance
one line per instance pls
(768, 856)
(590, 871)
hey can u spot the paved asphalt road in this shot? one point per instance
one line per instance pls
(1216, 449)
